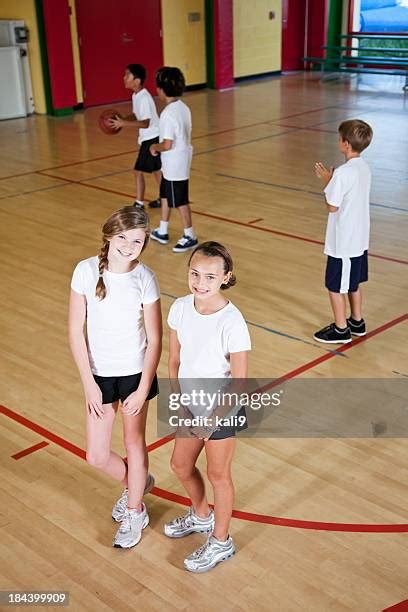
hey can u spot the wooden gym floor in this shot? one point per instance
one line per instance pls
(320, 524)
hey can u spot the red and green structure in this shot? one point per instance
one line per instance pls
(53, 20)
(219, 43)
(53, 17)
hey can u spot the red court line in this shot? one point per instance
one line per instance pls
(254, 221)
(28, 451)
(402, 606)
(341, 349)
(287, 234)
(45, 433)
(287, 522)
(160, 442)
(249, 516)
(86, 161)
(227, 220)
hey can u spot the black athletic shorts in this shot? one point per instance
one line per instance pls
(176, 192)
(146, 162)
(230, 430)
(116, 388)
(346, 273)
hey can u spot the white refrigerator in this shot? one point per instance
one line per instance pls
(12, 96)
(16, 95)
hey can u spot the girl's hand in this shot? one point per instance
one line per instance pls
(323, 173)
(133, 404)
(204, 433)
(93, 400)
(153, 150)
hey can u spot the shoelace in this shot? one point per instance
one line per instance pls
(183, 240)
(127, 522)
(125, 525)
(200, 552)
(184, 521)
(122, 501)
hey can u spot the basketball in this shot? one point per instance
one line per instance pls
(104, 118)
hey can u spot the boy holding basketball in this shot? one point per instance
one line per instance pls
(347, 191)
(176, 152)
(145, 118)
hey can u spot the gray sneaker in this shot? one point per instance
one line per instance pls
(207, 556)
(189, 523)
(130, 531)
(118, 510)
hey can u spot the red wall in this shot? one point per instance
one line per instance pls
(317, 27)
(59, 49)
(223, 44)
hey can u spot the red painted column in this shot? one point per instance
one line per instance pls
(223, 44)
(317, 27)
(59, 50)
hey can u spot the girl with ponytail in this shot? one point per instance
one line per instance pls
(117, 297)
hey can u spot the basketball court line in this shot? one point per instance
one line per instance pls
(279, 333)
(226, 219)
(22, 193)
(85, 161)
(28, 451)
(288, 187)
(249, 516)
(402, 606)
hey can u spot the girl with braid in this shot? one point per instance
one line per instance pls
(118, 298)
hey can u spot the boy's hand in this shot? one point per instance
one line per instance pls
(323, 173)
(153, 150)
(116, 123)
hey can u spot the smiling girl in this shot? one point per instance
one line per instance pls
(118, 298)
(209, 339)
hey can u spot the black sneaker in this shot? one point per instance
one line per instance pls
(185, 244)
(357, 328)
(332, 335)
(155, 203)
(138, 205)
(162, 238)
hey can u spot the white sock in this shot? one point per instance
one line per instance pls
(189, 232)
(139, 202)
(164, 227)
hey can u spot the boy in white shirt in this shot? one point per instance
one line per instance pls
(347, 191)
(144, 117)
(176, 152)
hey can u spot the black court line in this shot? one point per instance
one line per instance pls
(317, 193)
(244, 142)
(279, 333)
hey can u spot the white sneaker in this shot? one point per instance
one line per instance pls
(207, 556)
(130, 531)
(189, 523)
(118, 510)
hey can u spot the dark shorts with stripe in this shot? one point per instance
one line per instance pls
(175, 192)
(115, 388)
(346, 273)
(146, 162)
(230, 431)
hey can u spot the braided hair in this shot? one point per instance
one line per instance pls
(126, 218)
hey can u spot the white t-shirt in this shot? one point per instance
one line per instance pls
(207, 341)
(143, 107)
(348, 229)
(116, 336)
(175, 125)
